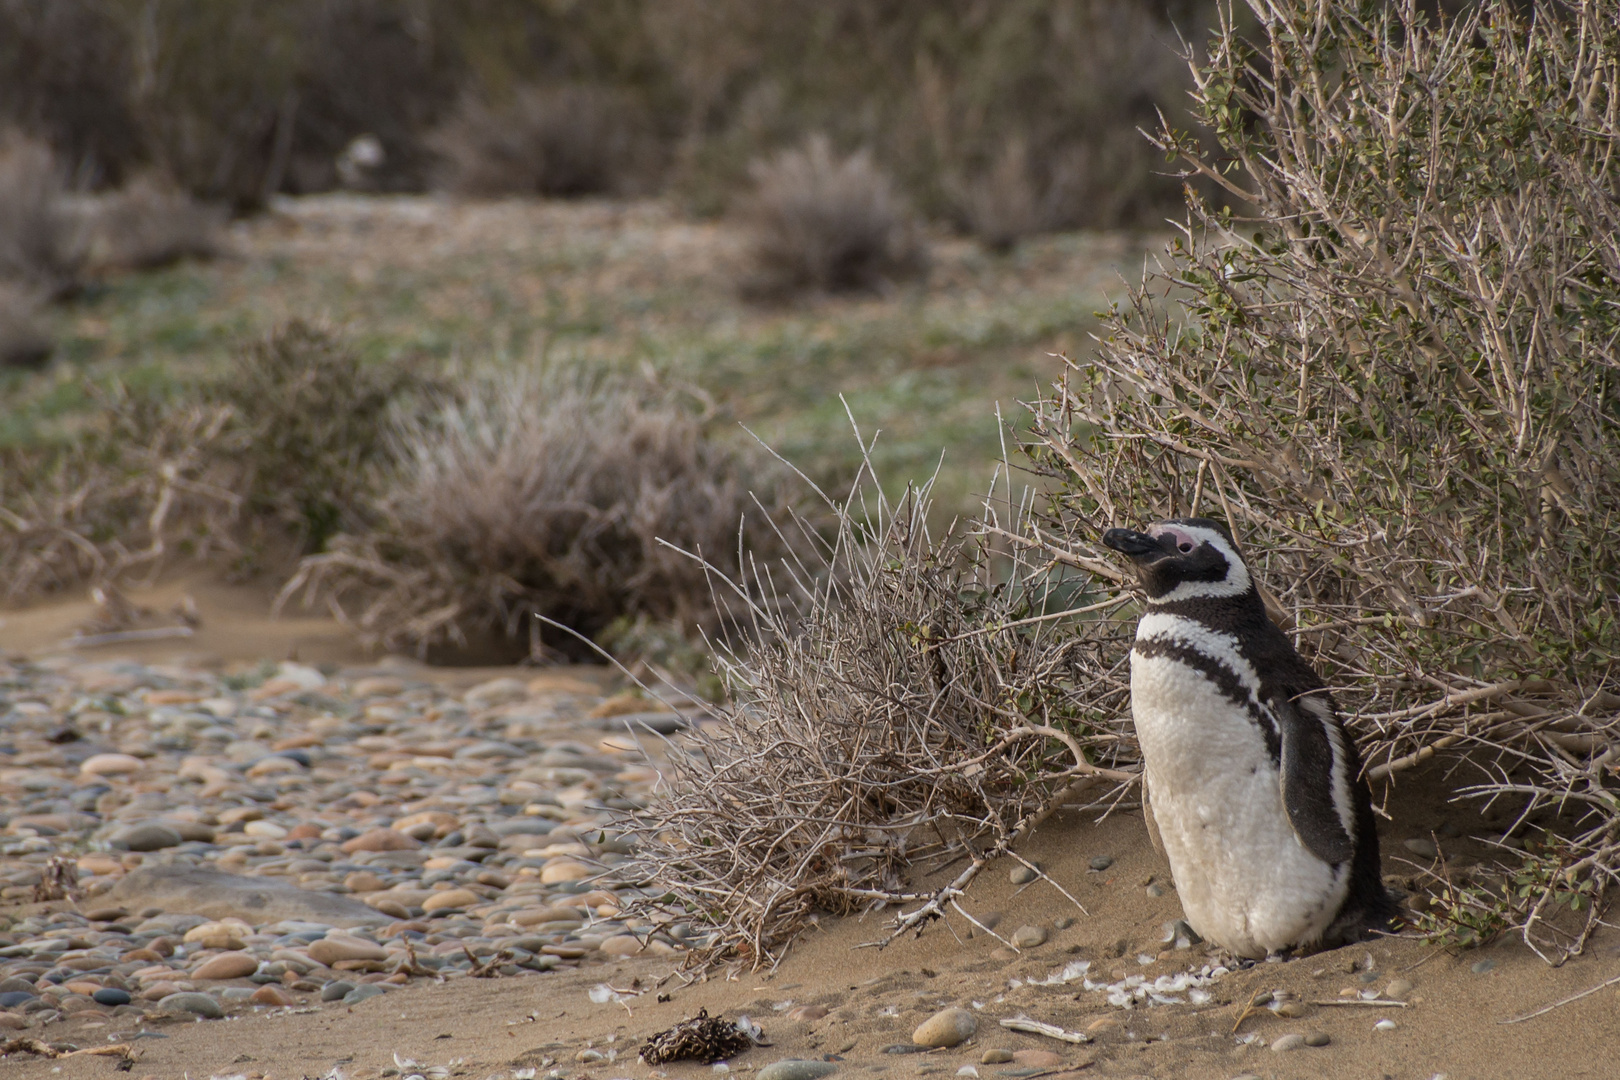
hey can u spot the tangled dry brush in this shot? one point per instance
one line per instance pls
(1399, 382)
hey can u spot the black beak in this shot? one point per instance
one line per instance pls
(1136, 545)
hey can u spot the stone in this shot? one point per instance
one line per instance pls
(1029, 937)
(148, 836)
(111, 765)
(1022, 875)
(1063, 923)
(793, 1069)
(110, 995)
(381, 840)
(451, 898)
(1101, 862)
(335, 990)
(230, 965)
(335, 947)
(1421, 847)
(496, 692)
(194, 890)
(267, 829)
(364, 881)
(949, 1027)
(272, 995)
(364, 992)
(1398, 989)
(996, 1056)
(1317, 1038)
(621, 945)
(562, 869)
(191, 1002)
(1384, 1025)
(1283, 1043)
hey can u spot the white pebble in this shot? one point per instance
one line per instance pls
(1384, 1025)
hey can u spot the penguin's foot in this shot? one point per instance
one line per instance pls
(1231, 961)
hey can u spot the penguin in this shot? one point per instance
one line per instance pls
(1250, 779)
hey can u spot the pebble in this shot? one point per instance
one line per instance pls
(1317, 1038)
(1398, 989)
(1022, 875)
(1284, 1043)
(1384, 1025)
(1102, 862)
(1421, 846)
(1155, 890)
(793, 1069)
(995, 1056)
(271, 824)
(187, 1001)
(1029, 937)
(949, 1027)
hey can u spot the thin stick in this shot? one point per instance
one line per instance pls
(1051, 1031)
(1560, 1004)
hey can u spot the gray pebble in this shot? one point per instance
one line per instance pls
(1063, 923)
(1291, 1041)
(1422, 847)
(362, 992)
(110, 996)
(794, 1069)
(1029, 937)
(189, 1001)
(148, 836)
(1102, 862)
(1022, 875)
(334, 991)
(1155, 890)
(1317, 1038)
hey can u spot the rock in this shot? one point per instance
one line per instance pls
(10, 999)
(949, 1027)
(791, 1069)
(197, 891)
(377, 686)
(381, 840)
(147, 836)
(111, 995)
(1284, 1043)
(1317, 1038)
(363, 881)
(267, 829)
(1102, 862)
(1292, 1010)
(558, 870)
(1022, 875)
(231, 965)
(335, 991)
(1029, 937)
(1384, 1025)
(335, 947)
(621, 945)
(496, 692)
(1398, 989)
(272, 995)
(996, 1057)
(1422, 847)
(187, 1001)
(111, 765)
(364, 992)
(1155, 890)
(451, 898)
(1063, 923)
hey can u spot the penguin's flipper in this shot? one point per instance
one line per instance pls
(1316, 775)
(1152, 822)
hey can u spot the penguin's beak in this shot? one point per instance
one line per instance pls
(1137, 545)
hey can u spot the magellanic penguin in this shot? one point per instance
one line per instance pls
(1251, 779)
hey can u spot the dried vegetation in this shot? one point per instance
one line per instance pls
(1399, 384)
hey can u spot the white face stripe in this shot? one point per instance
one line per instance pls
(1237, 574)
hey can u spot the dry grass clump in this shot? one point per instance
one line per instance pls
(564, 141)
(552, 494)
(41, 239)
(896, 704)
(1402, 387)
(828, 223)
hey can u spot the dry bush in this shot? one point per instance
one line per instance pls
(271, 456)
(561, 141)
(551, 494)
(897, 704)
(41, 239)
(149, 223)
(828, 223)
(1401, 386)
(24, 342)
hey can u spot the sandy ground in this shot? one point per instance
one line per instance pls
(1453, 1024)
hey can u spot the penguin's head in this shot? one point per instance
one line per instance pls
(1183, 558)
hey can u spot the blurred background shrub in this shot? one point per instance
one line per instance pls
(1002, 118)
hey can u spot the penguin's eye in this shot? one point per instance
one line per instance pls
(1185, 547)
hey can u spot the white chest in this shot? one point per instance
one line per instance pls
(1245, 880)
